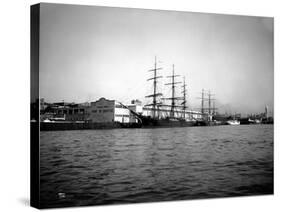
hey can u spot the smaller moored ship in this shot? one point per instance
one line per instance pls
(233, 122)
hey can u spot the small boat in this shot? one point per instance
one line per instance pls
(257, 121)
(47, 121)
(233, 122)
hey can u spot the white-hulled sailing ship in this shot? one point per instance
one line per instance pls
(170, 115)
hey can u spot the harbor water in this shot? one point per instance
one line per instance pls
(93, 167)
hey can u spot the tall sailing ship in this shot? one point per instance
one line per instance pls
(170, 115)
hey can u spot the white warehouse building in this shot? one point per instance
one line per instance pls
(104, 111)
(108, 111)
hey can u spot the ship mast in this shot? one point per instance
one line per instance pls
(202, 102)
(210, 110)
(155, 94)
(214, 108)
(173, 98)
(184, 97)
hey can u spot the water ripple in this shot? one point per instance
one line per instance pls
(94, 167)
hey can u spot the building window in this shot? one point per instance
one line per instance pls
(119, 106)
(94, 111)
(119, 115)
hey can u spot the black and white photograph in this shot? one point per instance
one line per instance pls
(144, 105)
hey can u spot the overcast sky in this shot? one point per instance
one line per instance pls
(90, 52)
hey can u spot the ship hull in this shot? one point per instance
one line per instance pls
(148, 122)
(208, 123)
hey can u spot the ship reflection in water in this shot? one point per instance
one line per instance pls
(143, 165)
